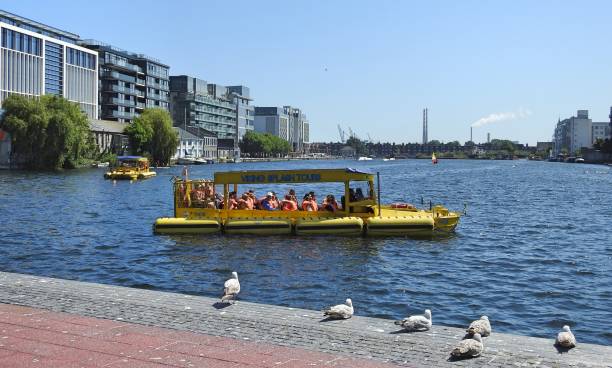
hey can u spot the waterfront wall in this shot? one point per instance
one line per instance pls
(596, 157)
(362, 337)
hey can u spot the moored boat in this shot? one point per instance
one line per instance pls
(190, 160)
(199, 209)
(130, 168)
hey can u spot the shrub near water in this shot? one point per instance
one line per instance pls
(47, 133)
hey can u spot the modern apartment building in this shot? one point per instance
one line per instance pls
(194, 102)
(272, 120)
(297, 125)
(129, 82)
(600, 130)
(240, 96)
(288, 123)
(578, 132)
(36, 59)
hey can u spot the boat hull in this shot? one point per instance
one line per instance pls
(391, 222)
(270, 226)
(129, 175)
(173, 225)
(329, 226)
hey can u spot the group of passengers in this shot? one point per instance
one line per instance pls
(271, 202)
(203, 195)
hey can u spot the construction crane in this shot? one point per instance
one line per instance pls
(352, 134)
(342, 133)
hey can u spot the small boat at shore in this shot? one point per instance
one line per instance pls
(364, 158)
(130, 168)
(190, 160)
(198, 209)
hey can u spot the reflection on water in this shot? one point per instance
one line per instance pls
(534, 253)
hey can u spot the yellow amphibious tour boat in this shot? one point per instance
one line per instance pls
(130, 168)
(362, 215)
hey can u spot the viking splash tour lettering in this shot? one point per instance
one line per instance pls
(281, 178)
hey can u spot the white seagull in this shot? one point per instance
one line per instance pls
(481, 326)
(565, 338)
(416, 323)
(468, 348)
(231, 288)
(340, 311)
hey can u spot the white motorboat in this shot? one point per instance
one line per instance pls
(190, 160)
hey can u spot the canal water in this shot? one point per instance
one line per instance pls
(533, 253)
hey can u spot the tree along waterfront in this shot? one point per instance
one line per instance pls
(47, 133)
(263, 145)
(152, 135)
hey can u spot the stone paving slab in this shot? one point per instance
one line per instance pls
(33, 337)
(272, 328)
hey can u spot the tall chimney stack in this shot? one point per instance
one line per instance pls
(425, 140)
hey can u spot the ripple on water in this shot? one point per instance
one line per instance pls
(528, 255)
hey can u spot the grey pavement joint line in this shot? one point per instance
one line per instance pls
(358, 337)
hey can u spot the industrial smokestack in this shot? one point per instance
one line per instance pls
(471, 137)
(425, 140)
(488, 137)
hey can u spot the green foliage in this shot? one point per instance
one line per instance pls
(47, 133)
(263, 144)
(151, 134)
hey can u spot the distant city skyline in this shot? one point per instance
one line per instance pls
(509, 69)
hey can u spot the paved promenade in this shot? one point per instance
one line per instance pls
(48, 322)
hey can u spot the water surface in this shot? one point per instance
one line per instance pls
(534, 252)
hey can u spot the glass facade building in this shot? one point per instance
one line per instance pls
(128, 82)
(34, 62)
(195, 103)
(240, 96)
(287, 122)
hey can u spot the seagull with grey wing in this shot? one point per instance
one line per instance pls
(481, 326)
(468, 348)
(566, 338)
(231, 288)
(416, 323)
(340, 311)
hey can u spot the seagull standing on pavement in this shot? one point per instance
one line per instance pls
(231, 289)
(565, 338)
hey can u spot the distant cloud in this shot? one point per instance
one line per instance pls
(502, 116)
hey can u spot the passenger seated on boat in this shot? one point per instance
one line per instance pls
(289, 204)
(267, 203)
(329, 204)
(359, 195)
(253, 199)
(209, 190)
(314, 197)
(292, 195)
(308, 204)
(218, 201)
(198, 197)
(244, 203)
(233, 201)
(275, 202)
(351, 195)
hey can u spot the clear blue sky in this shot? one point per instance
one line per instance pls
(375, 65)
